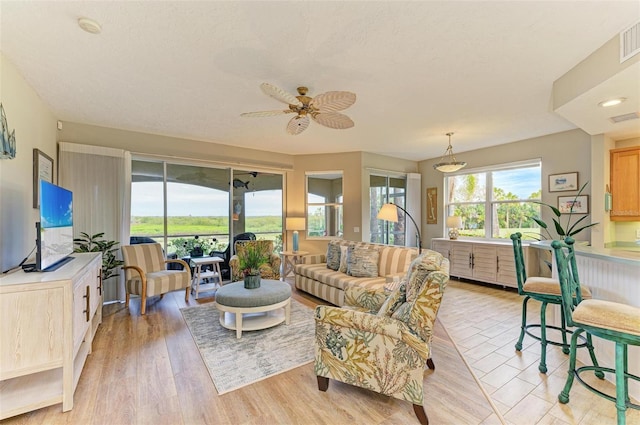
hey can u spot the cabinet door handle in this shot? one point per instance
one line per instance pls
(88, 298)
(470, 262)
(497, 263)
(473, 261)
(100, 284)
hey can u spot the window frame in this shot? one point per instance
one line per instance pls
(335, 206)
(488, 202)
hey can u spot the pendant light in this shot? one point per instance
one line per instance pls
(448, 163)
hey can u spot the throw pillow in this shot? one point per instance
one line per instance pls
(362, 262)
(343, 258)
(333, 255)
(393, 301)
(416, 281)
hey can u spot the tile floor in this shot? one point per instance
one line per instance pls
(484, 322)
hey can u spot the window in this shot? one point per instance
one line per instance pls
(497, 201)
(385, 189)
(324, 204)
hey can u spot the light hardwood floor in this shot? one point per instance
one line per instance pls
(147, 370)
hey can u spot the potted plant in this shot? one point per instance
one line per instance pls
(96, 243)
(250, 261)
(569, 229)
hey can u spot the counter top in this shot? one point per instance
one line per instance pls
(630, 255)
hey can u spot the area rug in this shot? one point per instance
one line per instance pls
(234, 363)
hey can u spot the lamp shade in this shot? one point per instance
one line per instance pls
(454, 222)
(295, 223)
(388, 212)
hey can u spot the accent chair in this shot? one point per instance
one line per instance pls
(382, 341)
(146, 274)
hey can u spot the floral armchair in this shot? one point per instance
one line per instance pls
(268, 270)
(382, 341)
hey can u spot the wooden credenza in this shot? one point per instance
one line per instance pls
(47, 324)
(484, 261)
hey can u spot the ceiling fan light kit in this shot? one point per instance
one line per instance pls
(448, 162)
(322, 108)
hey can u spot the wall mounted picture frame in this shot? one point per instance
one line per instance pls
(580, 204)
(432, 205)
(563, 182)
(42, 169)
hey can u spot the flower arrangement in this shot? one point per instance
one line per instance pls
(195, 247)
(252, 258)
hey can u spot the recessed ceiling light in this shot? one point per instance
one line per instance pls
(89, 25)
(612, 102)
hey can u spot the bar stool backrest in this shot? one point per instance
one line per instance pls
(568, 276)
(521, 272)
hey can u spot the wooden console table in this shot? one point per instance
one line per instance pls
(48, 321)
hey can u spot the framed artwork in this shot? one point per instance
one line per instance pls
(432, 205)
(580, 204)
(42, 169)
(563, 182)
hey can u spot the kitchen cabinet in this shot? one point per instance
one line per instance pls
(625, 184)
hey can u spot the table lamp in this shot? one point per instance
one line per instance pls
(454, 223)
(295, 224)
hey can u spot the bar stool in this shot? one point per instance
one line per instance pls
(613, 321)
(546, 291)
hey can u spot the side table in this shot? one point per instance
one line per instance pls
(200, 273)
(289, 260)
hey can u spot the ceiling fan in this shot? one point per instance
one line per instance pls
(322, 108)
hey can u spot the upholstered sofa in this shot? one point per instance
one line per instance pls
(314, 277)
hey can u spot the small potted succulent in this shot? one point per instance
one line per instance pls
(250, 262)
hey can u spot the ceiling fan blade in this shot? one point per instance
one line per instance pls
(298, 124)
(333, 101)
(333, 120)
(266, 113)
(279, 94)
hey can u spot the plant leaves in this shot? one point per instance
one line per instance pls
(559, 228)
(582, 228)
(540, 222)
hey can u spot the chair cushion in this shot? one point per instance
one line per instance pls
(608, 315)
(333, 255)
(160, 282)
(362, 262)
(549, 286)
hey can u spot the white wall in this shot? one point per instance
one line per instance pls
(35, 127)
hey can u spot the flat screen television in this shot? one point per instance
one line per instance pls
(54, 242)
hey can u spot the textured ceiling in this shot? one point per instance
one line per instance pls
(420, 69)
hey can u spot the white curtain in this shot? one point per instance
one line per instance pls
(100, 180)
(413, 207)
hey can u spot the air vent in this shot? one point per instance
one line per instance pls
(625, 117)
(630, 42)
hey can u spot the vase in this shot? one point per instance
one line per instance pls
(252, 282)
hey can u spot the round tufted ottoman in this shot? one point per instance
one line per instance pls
(252, 309)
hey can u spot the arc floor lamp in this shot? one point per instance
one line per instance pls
(389, 212)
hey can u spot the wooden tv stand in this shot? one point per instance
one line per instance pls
(47, 324)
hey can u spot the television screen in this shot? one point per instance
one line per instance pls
(55, 230)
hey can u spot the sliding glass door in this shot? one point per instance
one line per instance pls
(387, 189)
(181, 205)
